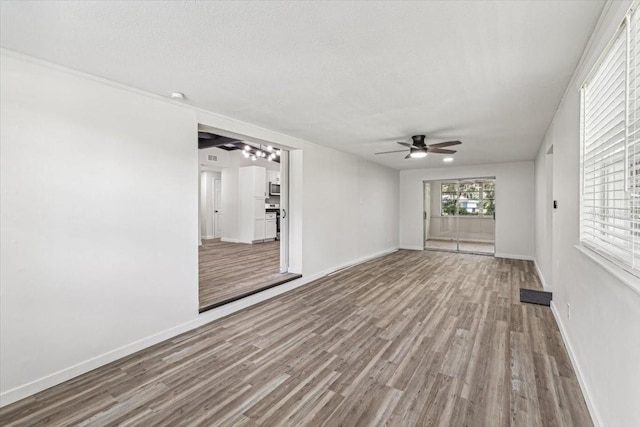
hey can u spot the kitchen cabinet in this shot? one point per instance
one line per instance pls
(255, 178)
(270, 226)
(273, 176)
(251, 198)
(259, 230)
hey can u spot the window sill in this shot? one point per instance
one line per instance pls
(618, 272)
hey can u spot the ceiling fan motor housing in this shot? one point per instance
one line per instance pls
(418, 140)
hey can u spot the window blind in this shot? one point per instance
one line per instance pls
(610, 202)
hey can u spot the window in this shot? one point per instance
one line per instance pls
(449, 199)
(610, 152)
(475, 198)
(489, 198)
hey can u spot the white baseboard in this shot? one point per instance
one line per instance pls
(29, 389)
(513, 256)
(576, 367)
(357, 261)
(66, 374)
(208, 237)
(412, 248)
(229, 240)
(541, 277)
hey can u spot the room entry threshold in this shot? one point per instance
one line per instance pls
(267, 283)
(460, 252)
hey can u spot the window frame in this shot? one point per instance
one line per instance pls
(596, 252)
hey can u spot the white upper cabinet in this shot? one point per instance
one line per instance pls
(253, 182)
(273, 176)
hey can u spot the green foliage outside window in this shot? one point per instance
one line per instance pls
(468, 199)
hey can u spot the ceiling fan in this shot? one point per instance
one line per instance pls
(420, 149)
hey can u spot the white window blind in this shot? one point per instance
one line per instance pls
(610, 202)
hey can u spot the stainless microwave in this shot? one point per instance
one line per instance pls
(274, 189)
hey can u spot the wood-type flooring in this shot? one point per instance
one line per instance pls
(228, 271)
(411, 338)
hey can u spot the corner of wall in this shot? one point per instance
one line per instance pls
(545, 286)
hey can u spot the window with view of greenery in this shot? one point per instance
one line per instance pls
(468, 199)
(610, 150)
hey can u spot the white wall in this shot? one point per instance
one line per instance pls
(222, 156)
(543, 217)
(350, 209)
(514, 204)
(603, 331)
(99, 220)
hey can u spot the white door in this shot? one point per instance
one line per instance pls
(426, 214)
(217, 211)
(284, 211)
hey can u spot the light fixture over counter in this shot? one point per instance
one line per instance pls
(264, 151)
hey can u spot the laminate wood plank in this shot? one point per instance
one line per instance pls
(412, 338)
(524, 393)
(228, 271)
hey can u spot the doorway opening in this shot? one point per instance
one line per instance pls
(243, 217)
(459, 215)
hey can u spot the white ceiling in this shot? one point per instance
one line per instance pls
(356, 76)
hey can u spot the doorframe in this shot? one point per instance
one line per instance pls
(549, 215)
(284, 211)
(217, 198)
(426, 209)
(291, 239)
(204, 168)
(457, 250)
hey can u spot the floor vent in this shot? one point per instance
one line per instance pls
(532, 296)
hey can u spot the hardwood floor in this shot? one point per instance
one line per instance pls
(231, 270)
(413, 338)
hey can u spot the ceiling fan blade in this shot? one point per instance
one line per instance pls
(397, 151)
(405, 144)
(440, 150)
(445, 144)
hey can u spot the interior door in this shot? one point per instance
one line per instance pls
(217, 211)
(284, 211)
(426, 211)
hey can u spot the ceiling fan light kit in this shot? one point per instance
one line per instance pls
(417, 153)
(419, 149)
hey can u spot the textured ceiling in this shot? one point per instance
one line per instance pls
(356, 76)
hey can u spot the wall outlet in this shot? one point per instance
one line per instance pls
(568, 311)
